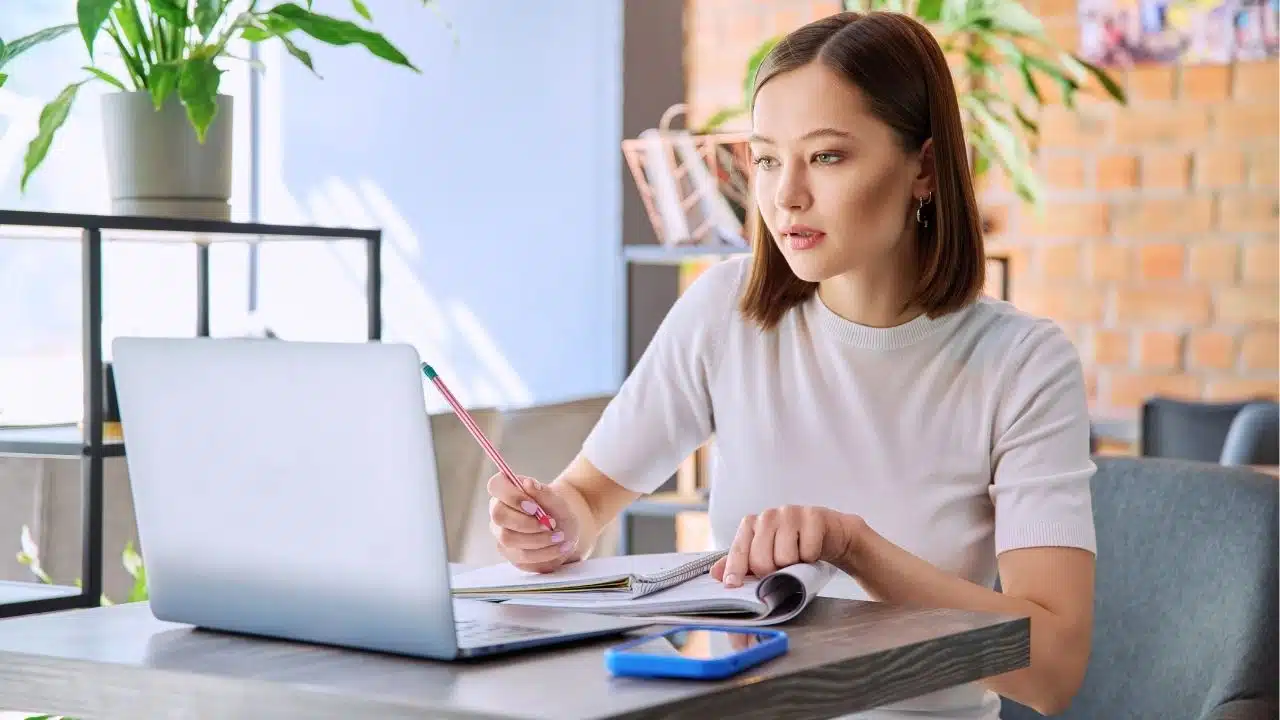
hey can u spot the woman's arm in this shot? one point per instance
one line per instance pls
(660, 415)
(594, 498)
(1051, 585)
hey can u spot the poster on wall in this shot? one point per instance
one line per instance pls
(1118, 33)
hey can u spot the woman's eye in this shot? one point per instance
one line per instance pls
(826, 158)
(764, 162)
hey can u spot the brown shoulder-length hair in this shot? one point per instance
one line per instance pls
(901, 71)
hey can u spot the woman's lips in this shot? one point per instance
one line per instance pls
(801, 237)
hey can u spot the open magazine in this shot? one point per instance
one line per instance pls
(698, 597)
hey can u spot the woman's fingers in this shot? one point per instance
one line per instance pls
(737, 563)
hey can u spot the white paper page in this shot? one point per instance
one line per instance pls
(705, 598)
(813, 578)
(697, 595)
(505, 576)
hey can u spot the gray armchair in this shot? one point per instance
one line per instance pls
(1185, 617)
(1185, 429)
(1254, 436)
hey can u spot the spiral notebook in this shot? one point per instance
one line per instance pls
(624, 576)
(662, 588)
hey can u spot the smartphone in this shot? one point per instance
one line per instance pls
(695, 652)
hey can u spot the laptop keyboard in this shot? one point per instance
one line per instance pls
(475, 632)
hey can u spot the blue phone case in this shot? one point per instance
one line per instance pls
(631, 664)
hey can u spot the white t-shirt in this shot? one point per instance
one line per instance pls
(957, 437)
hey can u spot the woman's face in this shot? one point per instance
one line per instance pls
(833, 183)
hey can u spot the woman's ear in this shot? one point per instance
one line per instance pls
(925, 181)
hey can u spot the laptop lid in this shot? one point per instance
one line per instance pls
(287, 489)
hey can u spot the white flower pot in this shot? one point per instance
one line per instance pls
(155, 164)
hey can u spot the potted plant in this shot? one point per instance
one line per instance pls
(167, 128)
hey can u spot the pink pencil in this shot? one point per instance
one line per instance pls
(543, 518)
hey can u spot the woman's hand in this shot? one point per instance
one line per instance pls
(784, 536)
(521, 539)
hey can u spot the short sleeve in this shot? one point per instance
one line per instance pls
(1042, 466)
(663, 411)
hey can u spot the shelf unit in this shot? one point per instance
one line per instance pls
(85, 442)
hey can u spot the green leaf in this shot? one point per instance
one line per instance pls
(3, 77)
(1010, 16)
(1031, 125)
(993, 134)
(303, 56)
(929, 11)
(953, 12)
(334, 31)
(39, 37)
(977, 63)
(255, 34)
(198, 90)
(174, 11)
(996, 17)
(753, 67)
(720, 118)
(130, 559)
(361, 10)
(981, 164)
(138, 592)
(52, 118)
(90, 15)
(1029, 81)
(133, 62)
(129, 23)
(1108, 83)
(106, 77)
(164, 79)
(133, 565)
(207, 14)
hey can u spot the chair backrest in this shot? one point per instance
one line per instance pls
(459, 460)
(1185, 612)
(537, 441)
(1185, 429)
(1254, 436)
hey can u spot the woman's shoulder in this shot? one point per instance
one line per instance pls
(1001, 329)
(721, 280)
(1024, 352)
(711, 299)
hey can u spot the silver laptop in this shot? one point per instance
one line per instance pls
(289, 490)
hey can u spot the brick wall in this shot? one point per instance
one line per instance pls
(1157, 245)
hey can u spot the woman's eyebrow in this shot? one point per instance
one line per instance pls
(819, 132)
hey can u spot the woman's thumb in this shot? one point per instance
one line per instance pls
(543, 495)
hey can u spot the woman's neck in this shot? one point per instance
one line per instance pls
(873, 297)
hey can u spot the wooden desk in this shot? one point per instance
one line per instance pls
(845, 656)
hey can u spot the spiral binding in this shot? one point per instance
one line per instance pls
(676, 575)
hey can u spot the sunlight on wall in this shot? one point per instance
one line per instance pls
(316, 289)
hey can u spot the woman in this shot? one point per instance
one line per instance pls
(870, 407)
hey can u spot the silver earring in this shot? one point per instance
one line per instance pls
(920, 218)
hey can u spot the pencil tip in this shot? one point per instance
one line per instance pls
(431, 373)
